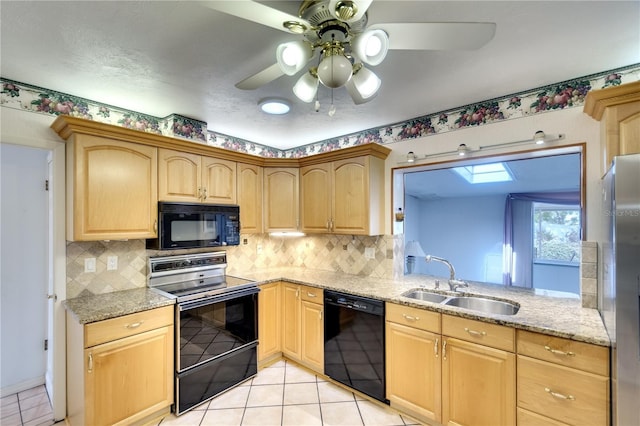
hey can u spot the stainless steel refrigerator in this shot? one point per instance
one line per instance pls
(619, 283)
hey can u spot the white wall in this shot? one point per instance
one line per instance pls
(443, 229)
(24, 276)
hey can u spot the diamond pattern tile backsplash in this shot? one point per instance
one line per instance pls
(340, 253)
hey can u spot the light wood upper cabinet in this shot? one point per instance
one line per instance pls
(344, 196)
(111, 189)
(250, 191)
(269, 323)
(618, 110)
(316, 196)
(219, 180)
(195, 178)
(121, 369)
(281, 210)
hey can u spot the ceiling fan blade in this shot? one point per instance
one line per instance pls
(257, 12)
(438, 35)
(263, 77)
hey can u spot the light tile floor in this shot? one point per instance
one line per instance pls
(287, 394)
(29, 408)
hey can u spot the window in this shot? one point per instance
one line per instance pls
(556, 233)
(485, 173)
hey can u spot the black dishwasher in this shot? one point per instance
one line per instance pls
(354, 342)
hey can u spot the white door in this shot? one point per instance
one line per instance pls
(25, 267)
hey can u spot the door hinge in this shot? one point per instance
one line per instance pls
(46, 185)
(46, 344)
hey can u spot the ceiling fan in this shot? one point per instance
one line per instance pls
(337, 31)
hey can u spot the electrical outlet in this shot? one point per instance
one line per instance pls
(112, 263)
(369, 253)
(90, 264)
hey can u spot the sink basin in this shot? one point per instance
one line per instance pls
(424, 295)
(481, 304)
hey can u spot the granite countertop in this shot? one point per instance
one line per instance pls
(555, 316)
(87, 309)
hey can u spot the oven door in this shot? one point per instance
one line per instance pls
(214, 327)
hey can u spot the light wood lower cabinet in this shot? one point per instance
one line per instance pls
(459, 380)
(269, 323)
(302, 325)
(120, 371)
(561, 381)
(413, 361)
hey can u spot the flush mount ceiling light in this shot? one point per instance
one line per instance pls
(335, 32)
(275, 106)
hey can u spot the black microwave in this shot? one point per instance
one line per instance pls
(190, 225)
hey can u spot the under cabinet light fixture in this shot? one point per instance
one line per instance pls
(411, 157)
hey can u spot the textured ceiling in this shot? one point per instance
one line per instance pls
(164, 57)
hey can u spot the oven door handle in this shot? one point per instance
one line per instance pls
(218, 298)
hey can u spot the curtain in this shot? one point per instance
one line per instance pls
(518, 235)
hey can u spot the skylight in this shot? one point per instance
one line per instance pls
(485, 173)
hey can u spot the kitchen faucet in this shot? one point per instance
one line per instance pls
(453, 282)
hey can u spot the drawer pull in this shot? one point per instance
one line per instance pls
(474, 332)
(410, 318)
(558, 352)
(435, 348)
(310, 294)
(134, 324)
(559, 395)
(90, 363)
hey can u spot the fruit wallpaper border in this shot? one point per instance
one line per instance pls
(566, 94)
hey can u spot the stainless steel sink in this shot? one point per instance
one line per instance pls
(424, 295)
(481, 304)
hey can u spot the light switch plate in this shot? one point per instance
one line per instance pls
(90, 264)
(112, 263)
(369, 253)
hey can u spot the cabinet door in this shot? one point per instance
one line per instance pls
(312, 329)
(478, 384)
(219, 181)
(178, 176)
(315, 196)
(269, 321)
(351, 189)
(413, 370)
(281, 199)
(114, 193)
(291, 320)
(129, 378)
(250, 198)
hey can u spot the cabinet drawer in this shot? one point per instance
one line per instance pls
(127, 325)
(528, 418)
(565, 394)
(557, 350)
(311, 294)
(413, 317)
(495, 336)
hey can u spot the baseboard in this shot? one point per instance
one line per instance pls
(22, 386)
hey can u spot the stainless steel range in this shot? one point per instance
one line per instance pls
(215, 326)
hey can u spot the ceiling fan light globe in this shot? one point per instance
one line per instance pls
(306, 87)
(363, 86)
(334, 71)
(293, 56)
(371, 46)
